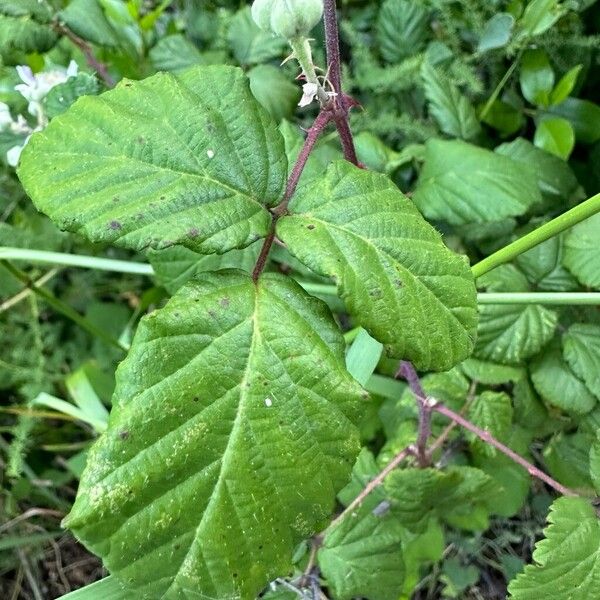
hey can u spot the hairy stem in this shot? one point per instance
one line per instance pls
(303, 54)
(312, 136)
(91, 60)
(60, 307)
(407, 371)
(577, 214)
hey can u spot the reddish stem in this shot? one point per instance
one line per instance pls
(407, 371)
(312, 136)
(488, 438)
(91, 60)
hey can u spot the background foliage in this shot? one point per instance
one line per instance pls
(487, 115)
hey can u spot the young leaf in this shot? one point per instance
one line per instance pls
(538, 17)
(461, 183)
(581, 349)
(583, 115)
(453, 111)
(362, 357)
(567, 560)
(362, 556)
(232, 431)
(493, 412)
(555, 135)
(497, 32)
(582, 251)
(565, 86)
(536, 77)
(402, 29)
(398, 280)
(190, 159)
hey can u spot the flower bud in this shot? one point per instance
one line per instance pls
(287, 18)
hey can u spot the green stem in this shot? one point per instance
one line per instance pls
(541, 234)
(490, 102)
(303, 54)
(74, 260)
(551, 298)
(60, 307)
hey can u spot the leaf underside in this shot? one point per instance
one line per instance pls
(190, 159)
(231, 433)
(393, 271)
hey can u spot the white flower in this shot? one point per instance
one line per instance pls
(309, 93)
(13, 155)
(36, 87)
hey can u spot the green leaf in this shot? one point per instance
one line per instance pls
(107, 589)
(491, 411)
(175, 53)
(402, 29)
(391, 267)
(595, 464)
(511, 333)
(503, 117)
(557, 383)
(190, 491)
(274, 91)
(24, 27)
(583, 115)
(87, 19)
(496, 32)
(189, 159)
(553, 174)
(453, 111)
(565, 86)
(362, 356)
(461, 183)
(567, 560)
(538, 17)
(581, 349)
(173, 267)
(62, 96)
(567, 458)
(361, 556)
(555, 135)
(536, 77)
(491, 373)
(250, 44)
(582, 251)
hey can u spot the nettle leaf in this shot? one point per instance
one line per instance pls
(190, 159)
(63, 95)
(24, 27)
(567, 459)
(402, 29)
(175, 53)
(397, 278)
(567, 560)
(231, 433)
(582, 251)
(173, 267)
(453, 112)
(511, 333)
(558, 384)
(461, 183)
(361, 556)
(581, 349)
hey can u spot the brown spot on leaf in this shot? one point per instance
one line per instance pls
(115, 225)
(124, 435)
(311, 226)
(224, 302)
(193, 232)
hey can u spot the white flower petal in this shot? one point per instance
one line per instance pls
(26, 74)
(13, 155)
(309, 92)
(72, 69)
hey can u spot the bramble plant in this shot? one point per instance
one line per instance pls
(239, 422)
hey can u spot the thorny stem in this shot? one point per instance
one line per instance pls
(374, 483)
(312, 136)
(488, 438)
(91, 60)
(303, 54)
(407, 371)
(341, 102)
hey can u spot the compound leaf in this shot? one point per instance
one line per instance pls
(190, 159)
(396, 276)
(231, 433)
(567, 560)
(461, 183)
